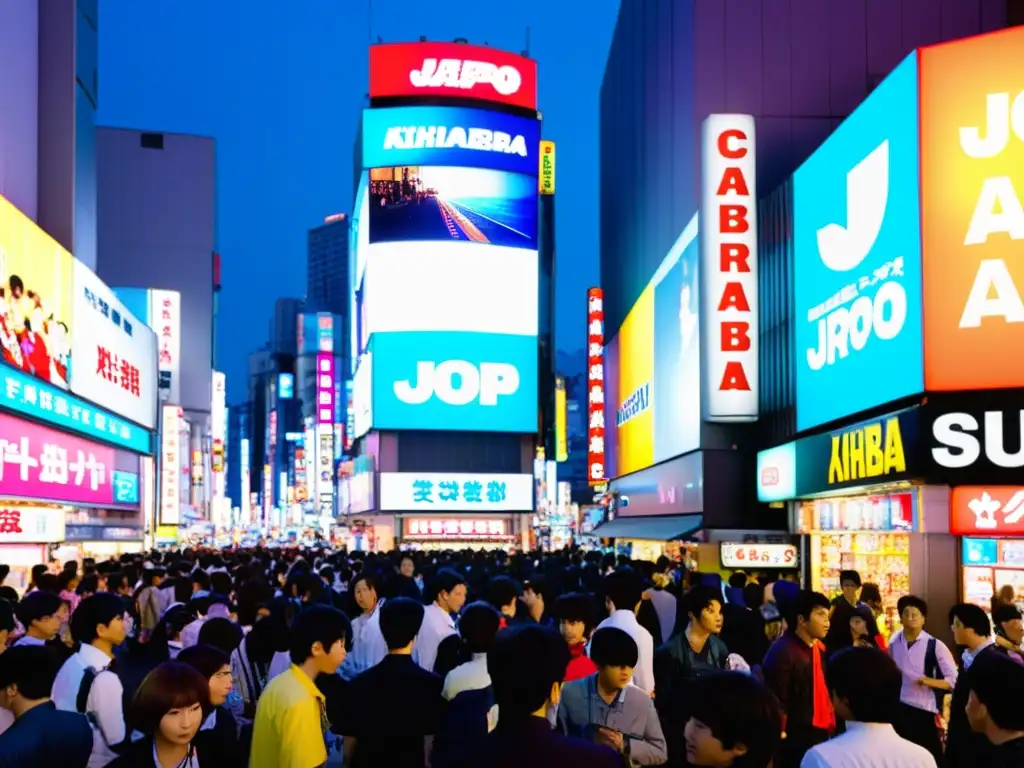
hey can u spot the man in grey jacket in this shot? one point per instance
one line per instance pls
(606, 709)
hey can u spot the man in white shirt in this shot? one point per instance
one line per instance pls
(41, 613)
(368, 645)
(865, 685)
(85, 683)
(449, 592)
(623, 592)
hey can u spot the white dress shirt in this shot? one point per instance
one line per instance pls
(910, 660)
(190, 634)
(868, 745)
(643, 674)
(368, 645)
(103, 704)
(437, 625)
(471, 676)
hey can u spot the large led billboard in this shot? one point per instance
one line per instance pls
(481, 382)
(450, 136)
(858, 259)
(420, 203)
(652, 368)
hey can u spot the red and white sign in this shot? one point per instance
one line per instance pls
(442, 528)
(728, 235)
(987, 510)
(758, 555)
(31, 525)
(165, 319)
(595, 386)
(171, 451)
(452, 69)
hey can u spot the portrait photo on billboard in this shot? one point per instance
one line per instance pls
(423, 203)
(36, 289)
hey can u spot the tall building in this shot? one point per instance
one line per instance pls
(284, 326)
(327, 284)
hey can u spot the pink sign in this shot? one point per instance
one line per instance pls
(41, 463)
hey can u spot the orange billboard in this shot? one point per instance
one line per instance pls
(972, 223)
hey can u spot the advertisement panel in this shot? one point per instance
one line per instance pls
(285, 386)
(325, 460)
(652, 368)
(972, 176)
(325, 389)
(482, 382)
(776, 473)
(316, 332)
(561, 412)
(362, 396)
(675, 487)
(31, 525)
(596, 388)
(244, 474)
(36, 289)
(165, 320)
(987, 510)
(171, 452)
(42, 463)
(456, 70)
(218, 420)
(416, 203)
(450, 287)
(456, 529)
(738, 555)
(453, 136)
(455, 492)
(728, 230)
(546, 184)
(114, 353)
(857, 279)
(976, 439)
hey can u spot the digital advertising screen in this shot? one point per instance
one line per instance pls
(857, 282)
(471, 382)
(652, 369)
(477, 205)
(450, 136)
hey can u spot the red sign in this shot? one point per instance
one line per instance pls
(454, 70)
(595, 386)
(983, 510)
(441, 528)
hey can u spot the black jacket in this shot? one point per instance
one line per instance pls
(964, 747)
(140, 755)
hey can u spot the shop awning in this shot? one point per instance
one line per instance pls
(663, 528)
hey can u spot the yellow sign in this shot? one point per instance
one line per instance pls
(868, 452)
(167, 533)
(547, 168)
(561, 415)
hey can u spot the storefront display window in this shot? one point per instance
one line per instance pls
(989, 565)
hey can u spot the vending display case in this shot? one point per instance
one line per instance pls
(989, 565)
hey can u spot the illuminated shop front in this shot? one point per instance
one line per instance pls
(439, 533)
(27, 535)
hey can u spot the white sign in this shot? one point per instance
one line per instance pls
(165, 320)
(960, 446)
(31, 525)
(456, 73)
(481, 384)
(218, 420)
(455, 492)
(362, 397)
(442, 528)
(728, 236)
(243, 468)
(113, 353)
(325, 468)
(171, 452)
(759, 555)
(419, 137)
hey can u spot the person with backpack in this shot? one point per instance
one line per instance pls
(87, 683)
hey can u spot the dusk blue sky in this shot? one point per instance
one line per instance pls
(280, 86)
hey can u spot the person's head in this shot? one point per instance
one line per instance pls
(26, 676)
(536, 594)
(733, 717)
(1006, 595)
(68, 580)
(913, 612)
(862, 624)
(99, 619)
(400, 620)
(970, 624)
(865, 685)
(7, 622)
(478, 626)
(872, 595)
(320, 635)
(40, 613)
(221, 633)
(365, 590)
(527, 665)
(200, 581)
(503, 593)
(448, 590)
(213, 664)
(808, 614)
(170, 703)
(575, 613)
(704, 608)
(738, 580)
(996, 688)
(849, 583)
(1006, 619)
(622, 590)
(88, 585)
(753, 595)
(615, 653)
(407, 566)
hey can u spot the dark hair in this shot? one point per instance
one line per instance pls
(613, 647)
(7, 623)
(93, 611)
(478, 626)
(37, 605)
(870, 593)
(207, 659)
(318, 624)
(47, 582)
(502, 590)
(524, 664)
(576, 606)
(802, 606)
(32, 668)
(972, 617)
(738, 709)
(88, 585)
(738, 580)
(912, 601)
(10, 594)
(538, 584)
(400, 621)
(868, 681)
(221, 633)
(849, 576)
(172, 685)
(753, 595)
(201, 579)
(998, 683)
(445, 580)
(700, 598)
(623, 588)
(371, 580)
(1004, 613)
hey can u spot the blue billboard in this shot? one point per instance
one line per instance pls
(285, 386)
(434, 380)
(455, 136)
(858, 259)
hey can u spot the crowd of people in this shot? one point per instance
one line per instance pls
(298, 659)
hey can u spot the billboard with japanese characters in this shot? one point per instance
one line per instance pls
(455, 492)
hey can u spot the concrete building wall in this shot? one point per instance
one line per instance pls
(19, 105)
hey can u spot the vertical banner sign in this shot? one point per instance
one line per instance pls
(325, 388)
(165, 318)
(268, 493)
(595, 386)
(728, 236)
(546, 180)
(243, 467)
(170, 465)
(561, 414)
(350, 415)
(325, 478)
(218, 420)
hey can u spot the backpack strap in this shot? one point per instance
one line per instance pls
(84, 688)
(932, 670)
